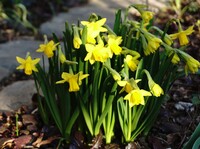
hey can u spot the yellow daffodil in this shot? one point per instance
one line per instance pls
(113, 44)
(129, 85)
(153, 45)
(115, 74)
(61, 56)
(77, 42)
(147, 16)
(175, 59)
(136, 97)
(93, 29)
(192, 65)
(132, 62)
(48, 48)
(168, 40)
(126, 86)
(96, 53)
(157, 90)
(182, 35)
(73, 80)
(27, 64)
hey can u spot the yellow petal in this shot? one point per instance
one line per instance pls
(20, 60)
(145, 93)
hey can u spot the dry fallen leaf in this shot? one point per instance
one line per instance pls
(21, 141)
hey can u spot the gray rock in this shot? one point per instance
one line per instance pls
(3, 73)
(104, 8)
(17, 94)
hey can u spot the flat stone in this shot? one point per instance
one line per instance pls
(3, 73)
(17, 94)
(104, 8)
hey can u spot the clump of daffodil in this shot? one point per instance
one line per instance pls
(76, 40)
(96, 53)
(182, 34)
(93, 29)
(113, 44)
(155, 89)
(74, 80)
(27, 64)
(48, 48)
(132, 62)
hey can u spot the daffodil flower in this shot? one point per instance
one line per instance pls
(175, 59)
(48, 48)
(113, 44)
(136, 97)
(128, 85)
(192, 65)
(115, 74)
(132, 62)
(153, 45)
(74, 80)
(96, 53)
(61, 56)
(94, 28)
(147, 16)
(182, 35)
(77, 42)
(27, 64)
(168, 40)
(157, 90)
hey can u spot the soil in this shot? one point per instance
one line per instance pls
(178, 117)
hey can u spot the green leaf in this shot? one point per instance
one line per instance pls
(194, 139)
(196, 144)
(117, 23)
(196, 99)
(87, 118)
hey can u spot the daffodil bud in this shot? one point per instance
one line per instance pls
(76, 40)
(155, 89)
(115, 74)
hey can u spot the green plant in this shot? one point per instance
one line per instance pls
(194, 141)
(106, 77)
(16, 12)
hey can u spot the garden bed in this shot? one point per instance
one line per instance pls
(178, 117)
